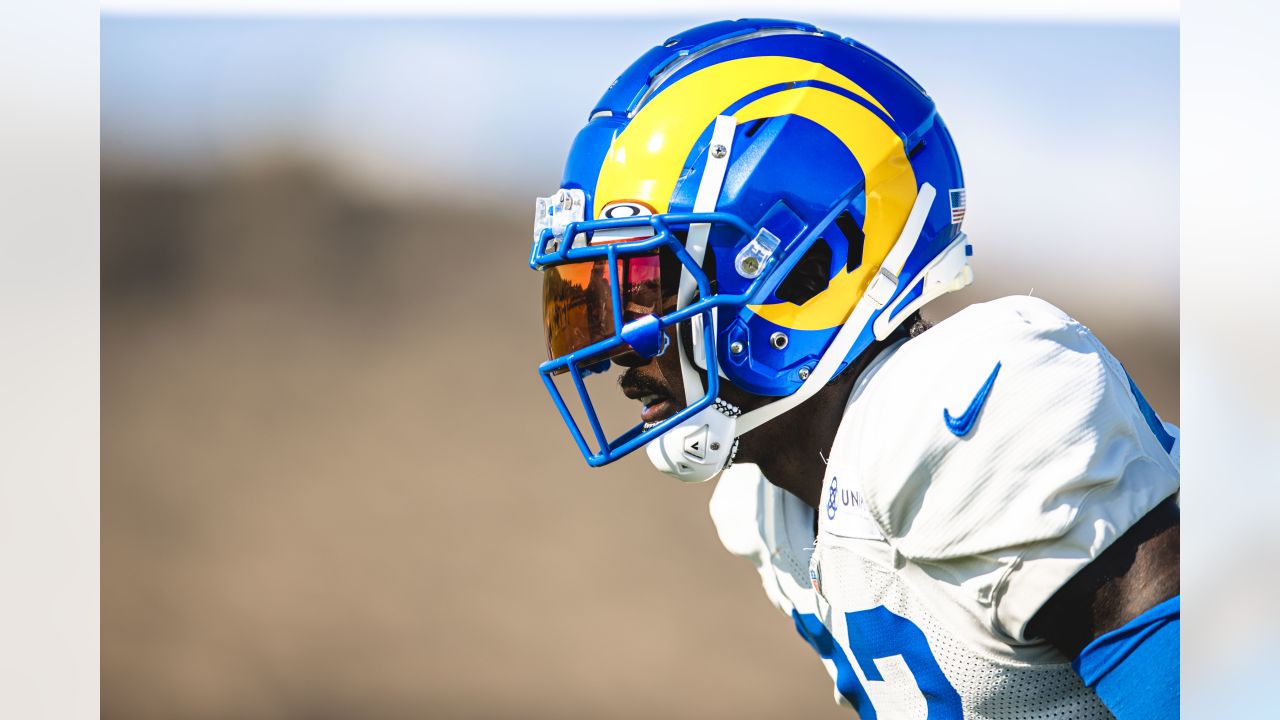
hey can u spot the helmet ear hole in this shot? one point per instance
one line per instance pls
(809, 277)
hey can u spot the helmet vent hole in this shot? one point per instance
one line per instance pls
(753, 127)
(809, 277)
(853, 235)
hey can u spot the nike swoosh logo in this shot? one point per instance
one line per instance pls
(960, 426)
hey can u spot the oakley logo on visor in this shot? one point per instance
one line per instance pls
(621, 210)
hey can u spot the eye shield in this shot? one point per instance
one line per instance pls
(610, 287)
(578, 301)
(589, 301)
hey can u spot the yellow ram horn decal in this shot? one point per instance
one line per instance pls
(646, 158)
(890, 191)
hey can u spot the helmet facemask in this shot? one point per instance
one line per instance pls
(604, 300)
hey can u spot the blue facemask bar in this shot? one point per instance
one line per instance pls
(644, 334)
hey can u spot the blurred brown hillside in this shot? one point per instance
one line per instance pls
(333, 486)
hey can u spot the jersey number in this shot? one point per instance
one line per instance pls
(878, 634)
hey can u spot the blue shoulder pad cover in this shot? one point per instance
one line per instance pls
(1134, 668)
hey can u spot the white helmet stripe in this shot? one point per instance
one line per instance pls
(708, 195)
(701, 446)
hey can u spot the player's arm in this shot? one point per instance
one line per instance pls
(1118, 619)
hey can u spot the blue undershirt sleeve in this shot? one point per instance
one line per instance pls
(1134, 668)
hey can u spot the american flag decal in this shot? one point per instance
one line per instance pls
(957, 206)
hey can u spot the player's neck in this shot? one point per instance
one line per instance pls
(791, 450)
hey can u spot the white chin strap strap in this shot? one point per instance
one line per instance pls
(700, 447)
(703, 445)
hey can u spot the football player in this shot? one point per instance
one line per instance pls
(972, 520)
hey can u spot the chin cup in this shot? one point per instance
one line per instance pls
(695, 450)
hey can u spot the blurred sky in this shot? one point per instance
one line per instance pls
(1068, 131)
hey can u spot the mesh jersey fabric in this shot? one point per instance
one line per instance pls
(911, 532)
(773, 530)
(1059, 462)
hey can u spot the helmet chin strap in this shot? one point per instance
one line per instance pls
(705, 201)
(699, 448)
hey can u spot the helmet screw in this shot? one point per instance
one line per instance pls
(804, 373)
(735, 347)
(778, 340)
(749, 266)
(718, 151)
(715, 446)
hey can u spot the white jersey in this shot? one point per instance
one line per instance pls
(977, 468)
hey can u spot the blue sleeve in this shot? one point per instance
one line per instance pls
(1134, 668)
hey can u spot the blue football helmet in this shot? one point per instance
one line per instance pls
(741, 149)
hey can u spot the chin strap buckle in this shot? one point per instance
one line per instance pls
(699, 448)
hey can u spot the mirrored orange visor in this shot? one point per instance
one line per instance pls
(577, 302)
